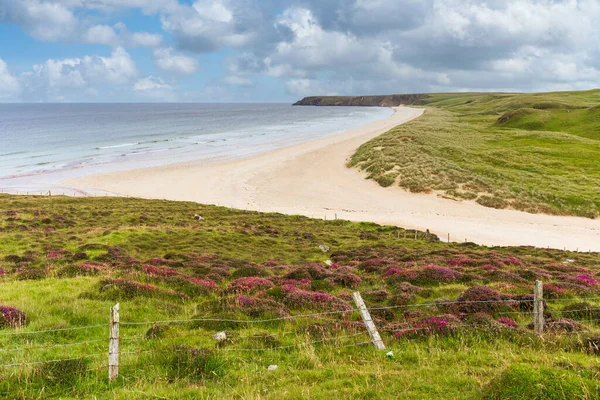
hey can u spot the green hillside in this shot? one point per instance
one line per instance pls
(533, 152)
(457, 317)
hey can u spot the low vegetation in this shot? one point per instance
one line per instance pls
(64, 262)
(530, 152)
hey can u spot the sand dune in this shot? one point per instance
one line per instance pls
(311, 179)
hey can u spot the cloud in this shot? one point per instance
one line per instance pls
(238, 80)
(377, 46)
(154, 88)
(53, 21)
(101, 34)
(144, 39)
(47, 21)
(335, 46)
(150, 83)
(9, 85)
(208, 25)
(169, 61)
(74, 78)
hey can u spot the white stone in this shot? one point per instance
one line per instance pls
(220, 336)
(272, 367)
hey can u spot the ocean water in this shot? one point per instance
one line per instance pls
(43, 144)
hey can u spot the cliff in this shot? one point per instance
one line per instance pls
(364, 101)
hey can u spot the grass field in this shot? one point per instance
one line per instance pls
(64, 262)
(531, 152)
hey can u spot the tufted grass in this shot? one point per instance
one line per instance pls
(530, 152)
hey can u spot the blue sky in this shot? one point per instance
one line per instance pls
(279, 51)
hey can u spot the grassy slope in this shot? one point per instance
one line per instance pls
(531, 152)
(54, 293)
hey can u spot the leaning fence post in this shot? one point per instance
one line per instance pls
(369, 324)
(113, 344)
(538, 307)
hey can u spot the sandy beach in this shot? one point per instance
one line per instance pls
(311, 179)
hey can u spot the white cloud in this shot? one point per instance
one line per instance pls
(238, 80)
(9, 85)
(48, 21)
(144, 39)
(118, 68)
(101, 34)
(150, 83)
(168, 60)
(208, 25)
(75, 77)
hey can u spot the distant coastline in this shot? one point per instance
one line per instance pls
(392, 100)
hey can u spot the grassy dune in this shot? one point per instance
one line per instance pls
(64, 262)
(532, 152)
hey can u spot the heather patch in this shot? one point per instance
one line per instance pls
(442, 325)
(117, 289)
(10, 317)
(249, 284)
(299, 298)
(479, 299)
(584, 280)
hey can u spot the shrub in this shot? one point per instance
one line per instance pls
(159, 272)
(249, 284)
(437, 274)
(508, 322)
(32, 273)
(116, 289)
(553, 291)
(347, 280)
(584, 280)
(429, 275)
(441, 326)
(299, 298)
(564, 325)
(206, 284)
(376, 296)
(258, 307)
(248, 271)
(478, 299)
(10, 317)
(302, 283)
(195, 363)
(85, 269)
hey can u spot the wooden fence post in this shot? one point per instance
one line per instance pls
(369, 324)
(113, 344)
(538, 307)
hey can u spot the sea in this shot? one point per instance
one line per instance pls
(42, 145)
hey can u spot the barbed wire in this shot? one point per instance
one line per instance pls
(28, 348)
(241, 321)
(571, 299)
(50, 361)
(52, 330)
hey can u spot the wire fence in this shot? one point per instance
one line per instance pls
(348, 331)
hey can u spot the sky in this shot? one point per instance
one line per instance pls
(282, 50)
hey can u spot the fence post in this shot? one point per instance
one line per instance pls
(369, 324)
(113, 344)
(538, 307)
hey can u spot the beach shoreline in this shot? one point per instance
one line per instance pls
(311, 179)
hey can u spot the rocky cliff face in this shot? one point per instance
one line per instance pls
(364, 101)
